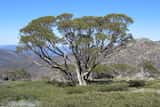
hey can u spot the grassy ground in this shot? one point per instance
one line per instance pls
(106, 95)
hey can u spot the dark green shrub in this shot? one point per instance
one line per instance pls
(23, 97)
(113, 87)
(148, 65)
(136, 83)
(100, 82)
(20, 74)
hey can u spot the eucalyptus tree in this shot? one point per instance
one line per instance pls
(90, 39)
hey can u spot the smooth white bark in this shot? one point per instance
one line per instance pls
(81, 80)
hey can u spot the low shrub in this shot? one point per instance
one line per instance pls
(20, 74)
(136, 83)
(113, 87)
(100, 82)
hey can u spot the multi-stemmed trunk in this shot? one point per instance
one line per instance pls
(80, 77)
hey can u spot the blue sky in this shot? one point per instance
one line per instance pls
(15, 14)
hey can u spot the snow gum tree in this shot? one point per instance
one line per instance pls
(89, 39)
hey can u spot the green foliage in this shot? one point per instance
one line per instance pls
(155, 84)
(136, 83)
(113, 87)
(100, 36)
(65, 16)
(20, 74)
(150, 67)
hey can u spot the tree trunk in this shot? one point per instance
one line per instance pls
(80, 77)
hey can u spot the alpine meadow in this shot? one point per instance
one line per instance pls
(79, 53)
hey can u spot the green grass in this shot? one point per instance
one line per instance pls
(107, 95)
(154, 84)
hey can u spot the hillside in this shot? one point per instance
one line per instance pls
(140, 59)
(10, 61)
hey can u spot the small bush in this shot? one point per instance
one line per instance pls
(113, 87)
(20, 74)
(136, 83)
(150, 66)
(100, 82)
(23, 97)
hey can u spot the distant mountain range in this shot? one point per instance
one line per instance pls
(8, 47)
(10, 61)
